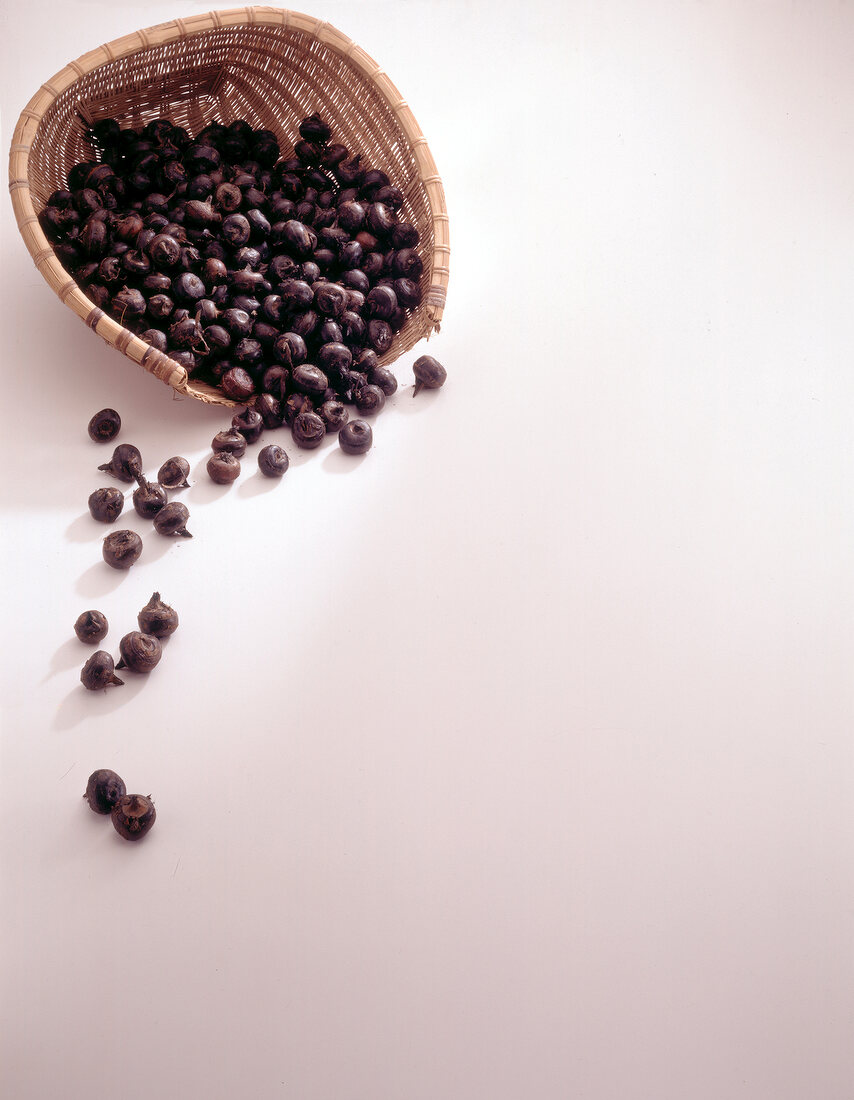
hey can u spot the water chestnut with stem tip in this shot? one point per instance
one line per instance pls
(99, 672)
(173, 473)
(91, 627)
(172, 520)
(105, 505)
(139, 652)
(133, 816)
(157, 618)
(121, 549)
(126, 463)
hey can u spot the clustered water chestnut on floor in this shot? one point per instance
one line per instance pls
(91, 627)
(264, 275)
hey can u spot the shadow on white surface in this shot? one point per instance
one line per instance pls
(337, 462)
(86, 529)
(257, 485)
(71, 653)
(80, 705)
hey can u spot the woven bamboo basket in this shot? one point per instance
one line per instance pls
(272, 67)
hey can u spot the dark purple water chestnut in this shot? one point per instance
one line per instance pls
(356, 279)
(273, 460)
(228, 198)
(383, 378)
(330, 299)
(313, 128)
(187, 333)
(217, 339)
(276, 380)
(121, 549)
(125, 463)
(187, 359)
(406, 264)
(408, 293)
(188, 287)
(156, 282)
(98, 295)
(325, 258)
(404, 235)
(355, 437)
(247, 353)
(237, 322)
(372, 180)
(173, 473)
(248, 256)
(266, 334)
(429, 374)
(381, 220)
(200, 157)
(309, 152)
(390, 196)
(155, 221)
(201, 213)
(348, 172)
(206, 311)
(289, 349)
(238, 384)
(229, 440)
(127, 305)
(296, 294)
(372, 265)
(334, 154)
(249, 423)
(298, 239)
(156, 338)
(398, 319)
(295, 404)
(310, 273)
(334, 415)
(164, 251)
(308, 430)
(380, 336)
(103, 790)
(365, 360)
(246, 303)
(135, 263)
(305, 323)
(334, 358)
(281, 267)
(87, 201)
(157, 618)
(329, 332)
(369, 399)
(351, 216)
(309, 379)
(99, 672)
(214, 271)
(235, 230)
(160, 307)
(354, 331)
(270, 409)
(148, 499)
(172, 174)
(109, 271)
(91, 626)
(172, 520)
(133, 816)
(155, 202)
(104, 426)
(381, 302)
(128, 227)
(223, 468)
(259, 224)
(61, 199)
(139, 652)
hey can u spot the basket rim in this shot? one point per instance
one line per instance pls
(160, 34)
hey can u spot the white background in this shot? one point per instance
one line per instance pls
(513, 761)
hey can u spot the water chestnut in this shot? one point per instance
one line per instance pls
(91, 627)
(272, 460)
(157, 618)
(173, 473)
(99, 672)
(133, 816)
(104, 426)
(171, 519)
(356, 437)
(105, 505)
(429, 374)
(148, 499)
(139, 652)
(223, 467)
(103, 790)
(126, 463)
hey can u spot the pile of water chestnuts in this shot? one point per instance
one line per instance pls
(132, 815)
(139, 650)
(281, 281)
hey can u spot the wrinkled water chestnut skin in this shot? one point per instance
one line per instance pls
(148, 499)
(126, 463)
(223, 467)
(356, 437)
(172, 520)
(429, 374)
(273, 460)
(157, 618)
(105, 505)
(139, 652)
(308, 430)
(91, 627)
(104, 426)
(133, 815)
(103, 790)
(230, 440)
(173, 473)
(99, 672)
(122, 549)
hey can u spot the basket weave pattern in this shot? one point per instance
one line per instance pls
(272, 67)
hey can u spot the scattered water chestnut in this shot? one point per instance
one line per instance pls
(172, 520)
(230, 440)
(429, 374)
(126, 463)
(223, 467)
(308, 430)
(91, 627)
(139, 652)
(105, 505)
(133, 816)
(273, 460)
(157, 618)
(384, 378)
(333, 414)
(148, 499)
(173, 473)
(99, 672)
(355, 437)
(104, 788)
(122, 549)
(104, 426)
(369, 399)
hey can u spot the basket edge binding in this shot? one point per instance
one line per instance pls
(156, 363)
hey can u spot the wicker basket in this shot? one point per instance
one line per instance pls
(267, 65)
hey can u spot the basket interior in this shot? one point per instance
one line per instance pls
(272, 76)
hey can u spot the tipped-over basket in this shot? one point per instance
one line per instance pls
(267, 65)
